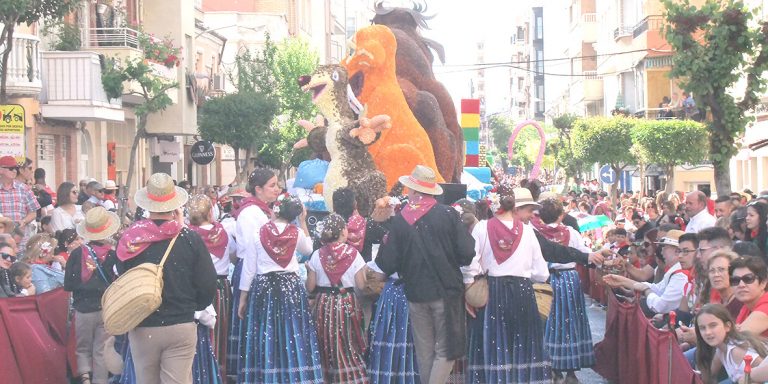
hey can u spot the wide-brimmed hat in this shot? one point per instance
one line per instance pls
(422, 179)
(110, 184)
(671, 238)
(160, 194)
(237, 191)
(548, 195)
(523, 197)
(99, 224)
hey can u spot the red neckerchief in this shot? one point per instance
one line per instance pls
(690, 274)
(253, 200)
(142, 234)
(279, 246)
(87, 265)
(559, 234)
(504, 241)
(215, 239)
(336, 259)
(356, 227)
(415, 211)
(111, 198)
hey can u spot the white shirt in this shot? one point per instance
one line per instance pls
(222, 264)
(347, 279)
(527, 261)
(700, 221)
(61, 219)
(665, 295)
(735, 371)
(574, 241)
(108, 205)
(261, 263)
(249, 223)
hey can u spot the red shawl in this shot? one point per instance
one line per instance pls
(336, 259)
(356, 226)
(253, 200)
(504, 241)
(415, 211)
(215, 239)
(87, 265)
(559, 234)
(279, 246)
(142, 234)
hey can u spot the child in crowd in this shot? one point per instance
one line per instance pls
(21, 273)
(339, 318)
(721, 345)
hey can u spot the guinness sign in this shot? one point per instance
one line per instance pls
(203, 152)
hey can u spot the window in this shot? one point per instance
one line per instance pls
(539, 27)
(520, 34)
(539, 62)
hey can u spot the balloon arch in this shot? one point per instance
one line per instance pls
(542, 145)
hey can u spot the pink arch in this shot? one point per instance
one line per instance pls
(542, 145)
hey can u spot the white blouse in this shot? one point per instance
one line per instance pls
(260, 263)
(575, 241)
(61, 219)
(249, 223)
(527, 261)
(347, 279)
(222, 264)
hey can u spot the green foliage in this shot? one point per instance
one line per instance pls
(604, 140)
(670, 142)
(562, 146)
(239, 120)
(526, 145)
(700, 37)
(65, 36)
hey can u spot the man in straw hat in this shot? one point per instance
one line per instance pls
(87, 275)
(163, 345)
(426, 245)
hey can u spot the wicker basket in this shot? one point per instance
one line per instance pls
(543, 294)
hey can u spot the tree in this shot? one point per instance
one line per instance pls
(500, 128)
(563, 148)
(239, 120)
(138, 76)
(670, 143)
(699, 37)
(14, 12)
(604, 140)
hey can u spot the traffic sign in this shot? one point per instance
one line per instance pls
(12, 127)
(607, 175)
(203, 152)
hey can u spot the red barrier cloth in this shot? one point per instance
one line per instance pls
(33, 338)
(634, 352)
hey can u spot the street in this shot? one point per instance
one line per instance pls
(597, 325)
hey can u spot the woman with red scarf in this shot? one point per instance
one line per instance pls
(279, 343)
(88, 274)
(331, 273)
(220, 245)
(507, 332)
(252, 213)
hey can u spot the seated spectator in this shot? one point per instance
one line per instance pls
(749, 277)
(21, 273)
(40, 253)
(666, 295)
(7, 257)
(45, 225)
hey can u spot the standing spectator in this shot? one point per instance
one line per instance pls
(642, 224)
(738, 228)
(757, 229)
(25, 172)
(163, 344)
(88, 274)
(723, 209)
(94, 190)
(66, 214)
(427, 244)
(45, 196)
(213, 196)
(689, 107)
(82, 197)
(17, 201)
(696, 210)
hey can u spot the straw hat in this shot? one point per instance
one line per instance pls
(523, 197)
(237, 191)
(99, 224)
(160, 194)
(110, 184)
(422, 179)
(672, 238)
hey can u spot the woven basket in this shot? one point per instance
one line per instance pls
(132, 298)
(543, 294)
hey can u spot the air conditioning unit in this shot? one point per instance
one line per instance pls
(218, 82)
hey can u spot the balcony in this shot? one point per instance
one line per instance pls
(72, 89)
(593, 86)
(24, 66)
(112, 42)
(622, 31)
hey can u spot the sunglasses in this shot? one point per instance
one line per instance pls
(7, 256)
(747, 279)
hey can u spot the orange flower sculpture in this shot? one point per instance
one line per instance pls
(406, 144)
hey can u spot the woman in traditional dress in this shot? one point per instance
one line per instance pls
(254, 211)
(280, 338)
(331, 274)
(567, 336)
(220, 246)
(506, 340)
